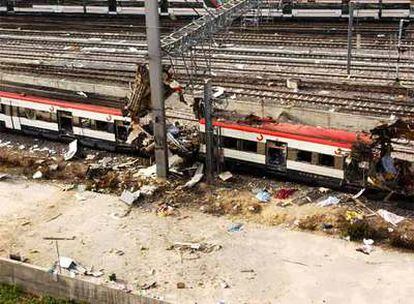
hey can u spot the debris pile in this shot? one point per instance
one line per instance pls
(195, 247)
(387, 161)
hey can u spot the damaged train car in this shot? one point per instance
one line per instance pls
(96, 123)
(382, 159)
(386, 162)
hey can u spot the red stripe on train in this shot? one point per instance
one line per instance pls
(330, 137)
(62, 103)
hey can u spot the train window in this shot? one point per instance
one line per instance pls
(45, 116)
(326, 160)
(76, 121)
(86, 123)
(121, 130)
(229, 143)
(1, 108)
(30, 114)
(102, 126)
(248, 146)
(20, 111)
(304, 156)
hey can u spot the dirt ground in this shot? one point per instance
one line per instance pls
(256, 265)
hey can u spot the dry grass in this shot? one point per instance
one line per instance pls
(341, 221)
(232, 202)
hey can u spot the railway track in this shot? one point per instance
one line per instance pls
(283, 98)
(98, 51)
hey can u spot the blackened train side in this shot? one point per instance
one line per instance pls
(95, 125)
(327, 156)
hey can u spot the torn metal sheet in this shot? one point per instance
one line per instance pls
(390, 217)
(198, 175)
(225, 176)
(129, 197)
(73, 149)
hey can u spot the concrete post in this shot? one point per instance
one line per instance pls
(157, 92)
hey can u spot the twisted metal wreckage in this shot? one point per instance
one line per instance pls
(386, 161)
(140, 134)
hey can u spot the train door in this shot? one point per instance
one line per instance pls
(112, 6)
(15, 118)
(65, 122)
(276, 155)
(121, 131)
(8, 117)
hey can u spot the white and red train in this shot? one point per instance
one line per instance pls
(93, 125)
(192, 8)
(287, 149)
(293, 150)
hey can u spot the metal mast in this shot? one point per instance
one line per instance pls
(157, 90)
(350, 28)
(177, 43)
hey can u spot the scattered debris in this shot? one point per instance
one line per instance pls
(4, 176)
(147, 172)
(129, 197)
(53, 167)
(112, 277)
(247, 270)
(180, 285)
(295, 262)
(148, 190)
(218, 92)
(235, 227)
(73, 150)
(358, 194)
(330, 201)
(165, 210)
(198, 175)
(367, 247)
(293, 84)
(224, 284)
(285, 193)
(83, 94)
(324, 190)
(52, 238)
(193, 247)
(37, 175)
(17, 257)
(263, 196)
(119, 252)
(225, 176)
(147, 286)
(53, 217)
(72, 266)
(95, 274)
(390, 217)
(327, 226)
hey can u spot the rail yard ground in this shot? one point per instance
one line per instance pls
(257, 265)
(220, 241)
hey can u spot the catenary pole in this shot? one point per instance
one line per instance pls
(350, 28)
(157, 92)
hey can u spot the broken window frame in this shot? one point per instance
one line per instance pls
(301, 153)
(247, 146)
(323, 157)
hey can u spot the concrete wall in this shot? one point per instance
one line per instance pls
(66, 84)
(327, 119)
(38, 281)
